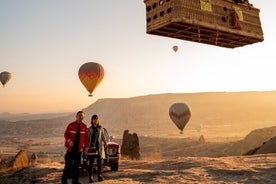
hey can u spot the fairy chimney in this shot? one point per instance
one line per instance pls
(20, 160)
(130, 146)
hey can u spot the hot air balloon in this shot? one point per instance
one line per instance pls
(5, 77)
(175, 48)
(180, 114)
(91, 74)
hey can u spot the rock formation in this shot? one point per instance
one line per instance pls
(201, 140)
(33, 159)
(130, 146)
(20, 160)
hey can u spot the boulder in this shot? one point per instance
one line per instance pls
(252, 141)
(267, 147)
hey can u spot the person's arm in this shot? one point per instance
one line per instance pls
(68, 142)
(86, 146)
(103, 138)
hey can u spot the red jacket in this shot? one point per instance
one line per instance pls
(70, 133)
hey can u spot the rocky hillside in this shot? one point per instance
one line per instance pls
(213, 114)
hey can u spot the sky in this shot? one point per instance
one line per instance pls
(43, 43)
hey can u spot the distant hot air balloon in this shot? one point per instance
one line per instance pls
(5, 77)
(180, 114)
(175, 48)
(91, 74)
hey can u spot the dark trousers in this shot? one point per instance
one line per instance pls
(71, 168)
(91, 163)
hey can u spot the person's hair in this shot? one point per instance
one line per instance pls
(79, 112)
(95, 116)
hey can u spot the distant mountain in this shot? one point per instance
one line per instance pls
(214, 114)
(27, 116)
(234, 113)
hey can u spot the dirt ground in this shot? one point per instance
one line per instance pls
(163, 160)
(237, 169)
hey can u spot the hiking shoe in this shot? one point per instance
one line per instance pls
(100, 178)
(91, 180)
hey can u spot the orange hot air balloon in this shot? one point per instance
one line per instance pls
(91, 74)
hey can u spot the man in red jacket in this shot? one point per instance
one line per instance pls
(76, 142)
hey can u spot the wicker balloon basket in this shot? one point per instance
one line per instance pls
(221, 23)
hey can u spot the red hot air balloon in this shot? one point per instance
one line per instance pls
(91, 74)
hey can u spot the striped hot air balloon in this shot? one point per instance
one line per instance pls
(91, 74)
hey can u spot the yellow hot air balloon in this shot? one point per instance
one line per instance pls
(180, 114)
(175, 48)
(91, 74)
(5, 77)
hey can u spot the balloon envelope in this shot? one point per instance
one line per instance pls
(180, 114)
(175, 48)
(5, 77)
(91, 74)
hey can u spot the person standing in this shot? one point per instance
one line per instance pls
(76, 142)
(97, 145)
